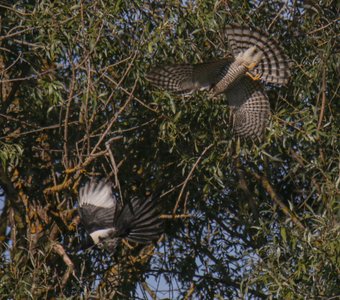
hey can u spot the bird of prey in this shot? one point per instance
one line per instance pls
(255, 58)
(108, 222)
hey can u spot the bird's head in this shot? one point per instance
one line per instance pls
(106, 239)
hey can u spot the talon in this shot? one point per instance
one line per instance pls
(250, 66)
(255, 77)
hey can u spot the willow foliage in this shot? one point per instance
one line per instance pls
(243, 219)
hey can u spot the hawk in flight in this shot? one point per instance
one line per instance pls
(108, 222)
(255, 58)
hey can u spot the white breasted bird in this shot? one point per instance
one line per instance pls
(108, 222)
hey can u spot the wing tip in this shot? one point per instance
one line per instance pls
(97, 193)
(140, 219)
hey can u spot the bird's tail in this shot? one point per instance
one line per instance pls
(139, 220)
(274, 65)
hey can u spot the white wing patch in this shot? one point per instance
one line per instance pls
(97, 194)
(102, 233)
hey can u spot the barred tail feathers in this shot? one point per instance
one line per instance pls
(274, 66)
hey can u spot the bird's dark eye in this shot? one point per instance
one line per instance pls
(108, 244)
(111, 245)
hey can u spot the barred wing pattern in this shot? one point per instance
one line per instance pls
(186, 79)
(233, 76)
(250, 106)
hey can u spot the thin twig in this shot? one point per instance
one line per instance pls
(179, 216)
(275, 197)
(244, 187)
(114, 165)
(16, 33)
(323, 98)
(15, 10)
(149, 291)
(59, 249)
(189, 175)
(127, 92)
(190, 292)
(114, 119)
(69, 100)
(277, 15)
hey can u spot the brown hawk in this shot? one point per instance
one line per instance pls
(254, 56)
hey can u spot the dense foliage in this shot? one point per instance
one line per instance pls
(243, 219)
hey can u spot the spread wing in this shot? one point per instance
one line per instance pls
(250, 107)
(139, 221)
(186, 79)
(97, 206)
(96, 218)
